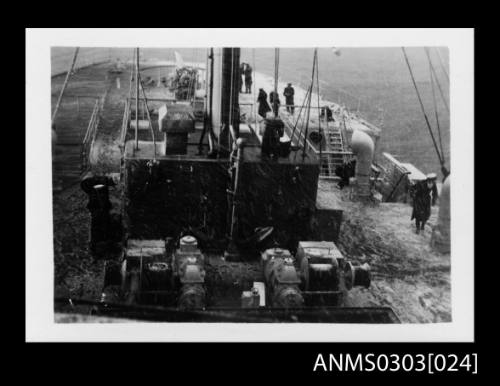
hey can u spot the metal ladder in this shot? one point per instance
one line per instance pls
(335, 143)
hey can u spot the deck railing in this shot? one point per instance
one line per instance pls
(326, 156)
(125, 124)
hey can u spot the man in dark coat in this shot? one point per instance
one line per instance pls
(242, 73)
(425, 195)
(273, 131)
(289, 92)
(263, 105)
(99, 206)
(248, 79)
(345, 172)
(275, 102)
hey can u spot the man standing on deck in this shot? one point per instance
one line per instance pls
(242, 73)
(248, 79)
(275, 102)
(263, 105)
(272, 132)
(425, 195)
(289, 93)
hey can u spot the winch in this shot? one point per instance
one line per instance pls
(189, 273)
(281, 278)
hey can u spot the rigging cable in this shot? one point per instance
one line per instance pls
(276, 69)
(302, 122)
(437, 82)
(149, 117)
(254, 71)
(231, 87)
(68, 74)
(309, 105)
(131, 77)
(422, 107)
(431, 74)
(442, 65)
(137, 99)
(319, 109)
(308, 113)
(299, 115)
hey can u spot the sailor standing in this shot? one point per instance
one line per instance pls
(425, 196)
(275, 101)
(289, 92)
(248, 78)
(263, 105)
(273, 131)
(242, 73)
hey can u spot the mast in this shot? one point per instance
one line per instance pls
(276, 69)
(137, 98)
(209, 90)
(230, 115)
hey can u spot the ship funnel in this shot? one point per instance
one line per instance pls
(225, 87)
(440, 239)
(363, 148)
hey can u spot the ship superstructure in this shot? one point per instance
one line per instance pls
(198, 191)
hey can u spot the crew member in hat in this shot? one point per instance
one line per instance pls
(425, 195)
(289, 92)
(274, 99)
(263, 105)
(248, 79)
(431, 184)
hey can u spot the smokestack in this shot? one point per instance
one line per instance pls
(230, 86)
(215, 106)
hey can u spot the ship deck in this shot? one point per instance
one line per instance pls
(408, 276)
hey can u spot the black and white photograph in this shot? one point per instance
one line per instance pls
(217, 179)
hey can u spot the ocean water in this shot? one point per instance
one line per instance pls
(374, 81)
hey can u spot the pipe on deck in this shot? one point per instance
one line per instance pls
(363, 148)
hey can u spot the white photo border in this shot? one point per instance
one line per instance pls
(40, 324)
